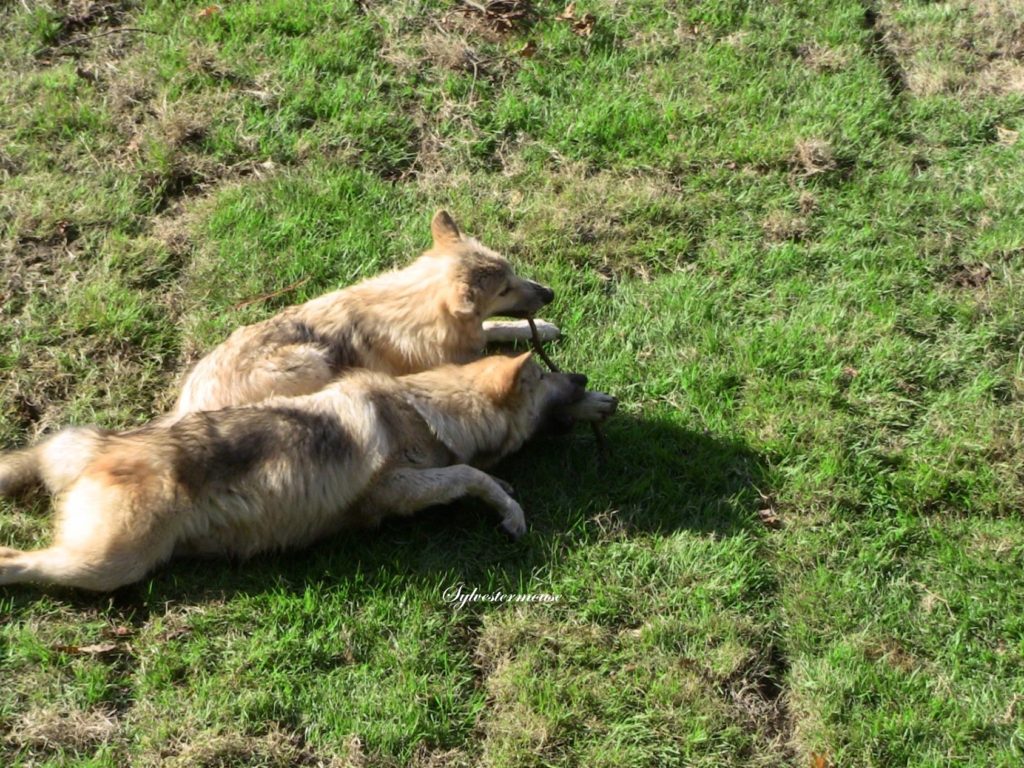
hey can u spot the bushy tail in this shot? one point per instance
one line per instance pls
(56, 462)
(63, 457)
(18, 469)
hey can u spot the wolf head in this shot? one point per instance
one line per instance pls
(487, 409)
(481, 282)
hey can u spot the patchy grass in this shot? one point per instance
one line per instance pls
(787, 235)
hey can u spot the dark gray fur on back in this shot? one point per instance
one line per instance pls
(224, 445)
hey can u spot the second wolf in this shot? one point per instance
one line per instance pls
(427, 314)
(286, 471)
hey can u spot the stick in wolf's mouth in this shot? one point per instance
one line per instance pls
(602, 443)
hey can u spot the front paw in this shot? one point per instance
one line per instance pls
(514, 522)
(595, 406)
(604, 405)
(505, 486)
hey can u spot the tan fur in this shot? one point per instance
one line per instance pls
(286, 471)
(428, 314)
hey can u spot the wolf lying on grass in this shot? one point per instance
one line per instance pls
(287, 471)
(409, 320)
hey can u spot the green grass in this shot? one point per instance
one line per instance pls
(789, 236)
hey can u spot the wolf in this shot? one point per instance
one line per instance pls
(286, 471)
(430, 313)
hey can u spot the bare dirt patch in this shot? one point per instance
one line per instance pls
(970, 275)
(757, 693)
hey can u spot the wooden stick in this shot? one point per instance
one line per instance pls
(272, 294)
(539, 349)
(599, 438)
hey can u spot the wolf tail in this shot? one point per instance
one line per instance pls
(56, 462)
(18, 469)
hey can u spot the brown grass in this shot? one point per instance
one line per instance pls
(813, 156)
(964, 49)
(783, 226)
(58, 730)
(274, 749)
(823, 58)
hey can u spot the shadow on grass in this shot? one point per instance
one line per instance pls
(658, 478)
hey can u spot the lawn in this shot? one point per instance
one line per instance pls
(789, 236)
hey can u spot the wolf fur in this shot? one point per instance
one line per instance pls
(430, 313)
(287, 471)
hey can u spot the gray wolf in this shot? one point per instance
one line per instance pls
(286, 471)
(430, 313)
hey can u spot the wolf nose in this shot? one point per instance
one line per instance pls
(578, 379)
(545, 293)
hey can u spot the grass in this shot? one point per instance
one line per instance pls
(787, 235)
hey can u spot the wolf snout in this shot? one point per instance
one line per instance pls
(545, 294)
(611, 404)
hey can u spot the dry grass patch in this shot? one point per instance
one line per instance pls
(59, 730)
(825, 58)
(276, 748)
(966, 49)
(784, 226)
(813, 156)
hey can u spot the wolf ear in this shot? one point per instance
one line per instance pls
(444, 229)
(501, 378)
(462, 302)
(442, 426)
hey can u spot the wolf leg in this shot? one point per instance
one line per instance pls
(405, 491)
(508, 331)
(67, 567)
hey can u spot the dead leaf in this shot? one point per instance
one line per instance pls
(769, 518)
(1010, 715)
(582, 25)
(568, 14)
(122, 631)
(820, 760)
(528, 51)
(208, 11)
(97, 649)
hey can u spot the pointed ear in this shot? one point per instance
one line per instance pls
(443, 426)
(462, 301)
(501, 379)
(444, 229)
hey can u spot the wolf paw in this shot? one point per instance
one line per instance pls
(515, 521)
(595, 406)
